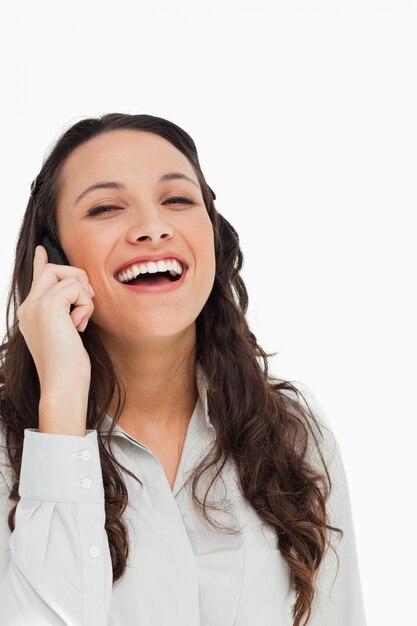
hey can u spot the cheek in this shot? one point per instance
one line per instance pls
(203, 238)
(206, 257)
(202, 234)
(80, 249)
(90, 250)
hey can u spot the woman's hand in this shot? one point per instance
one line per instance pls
(48, 327)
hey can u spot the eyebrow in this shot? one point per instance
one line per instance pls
(118, 185)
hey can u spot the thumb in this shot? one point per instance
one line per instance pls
(40, 259)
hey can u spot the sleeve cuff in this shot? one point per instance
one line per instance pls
(61, 468)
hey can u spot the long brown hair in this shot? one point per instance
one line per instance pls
(259, 426)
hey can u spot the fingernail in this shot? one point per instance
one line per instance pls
(83, 324)
(91, 290)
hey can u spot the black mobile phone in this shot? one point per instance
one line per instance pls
(54, 250)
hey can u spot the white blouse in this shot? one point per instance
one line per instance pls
(55, 568)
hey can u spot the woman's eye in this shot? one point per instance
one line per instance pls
(180, 200)
(101, 209)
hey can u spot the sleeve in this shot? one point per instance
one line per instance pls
(338, 599)
(55, 567)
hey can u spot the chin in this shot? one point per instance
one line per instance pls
(162, 330)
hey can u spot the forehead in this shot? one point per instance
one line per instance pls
(121, 154)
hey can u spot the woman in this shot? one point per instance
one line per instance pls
(133, 401)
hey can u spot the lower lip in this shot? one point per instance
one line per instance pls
(161, 288)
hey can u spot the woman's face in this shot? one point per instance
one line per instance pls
(145, 222)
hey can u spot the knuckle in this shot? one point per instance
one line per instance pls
(83, 273)
(78, 277)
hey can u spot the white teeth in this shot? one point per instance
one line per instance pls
(172, 265)
(161, 266)
(177, 267)
(152, 267)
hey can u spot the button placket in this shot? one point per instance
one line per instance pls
(94, 553)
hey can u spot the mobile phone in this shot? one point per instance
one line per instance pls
(54, 250)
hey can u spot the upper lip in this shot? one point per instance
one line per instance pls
(152, 257)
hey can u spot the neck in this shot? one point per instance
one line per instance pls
(159, 376)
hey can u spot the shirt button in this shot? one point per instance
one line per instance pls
(94, 552)
(86, 483)
(85, 455)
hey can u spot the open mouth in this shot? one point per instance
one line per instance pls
(154, 278)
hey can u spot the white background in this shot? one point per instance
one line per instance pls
(304, 116)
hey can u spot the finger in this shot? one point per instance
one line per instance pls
(75, 293)
(83, 324)
(83, 308)
(54, 274)
(40, 259)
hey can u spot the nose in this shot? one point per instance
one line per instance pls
(149, 223)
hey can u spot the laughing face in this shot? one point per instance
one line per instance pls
(153, 210)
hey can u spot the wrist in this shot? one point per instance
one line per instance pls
(63, 410)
